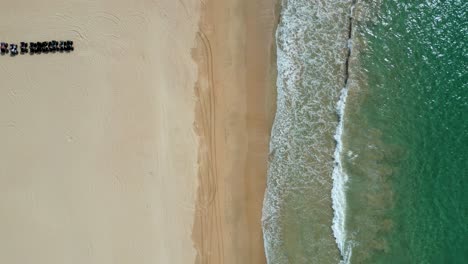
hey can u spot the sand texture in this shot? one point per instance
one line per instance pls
(148, 143)
(97, 147)
(236, 91)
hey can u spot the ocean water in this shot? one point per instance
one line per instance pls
(406, 133)
(369, 148)
(312, 46)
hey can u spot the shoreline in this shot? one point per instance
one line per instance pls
(298, 212)
(234, 115)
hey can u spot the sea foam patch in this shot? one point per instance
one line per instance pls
(311, 53)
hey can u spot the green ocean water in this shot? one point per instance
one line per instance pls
(406, 134)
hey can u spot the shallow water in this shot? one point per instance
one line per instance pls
(312, 47)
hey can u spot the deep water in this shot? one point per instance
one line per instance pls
(406, 134)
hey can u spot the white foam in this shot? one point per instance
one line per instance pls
(308, 54)
(340, 178)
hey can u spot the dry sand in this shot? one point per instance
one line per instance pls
(105, 151)
(97, 147)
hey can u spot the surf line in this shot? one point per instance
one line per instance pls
(340, 178)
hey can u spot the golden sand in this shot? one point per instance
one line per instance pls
(236, 91)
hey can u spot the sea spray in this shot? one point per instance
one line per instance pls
(340, 178)
(311, 51)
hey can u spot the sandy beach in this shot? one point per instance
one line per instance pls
(236, 91)
(148, 143)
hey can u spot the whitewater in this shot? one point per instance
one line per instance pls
(305, 203)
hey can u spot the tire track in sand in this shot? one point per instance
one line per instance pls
(208, 227)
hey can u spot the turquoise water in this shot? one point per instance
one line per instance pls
(406, 134)
(369, 149)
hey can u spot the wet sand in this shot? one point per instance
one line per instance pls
(236, 91)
